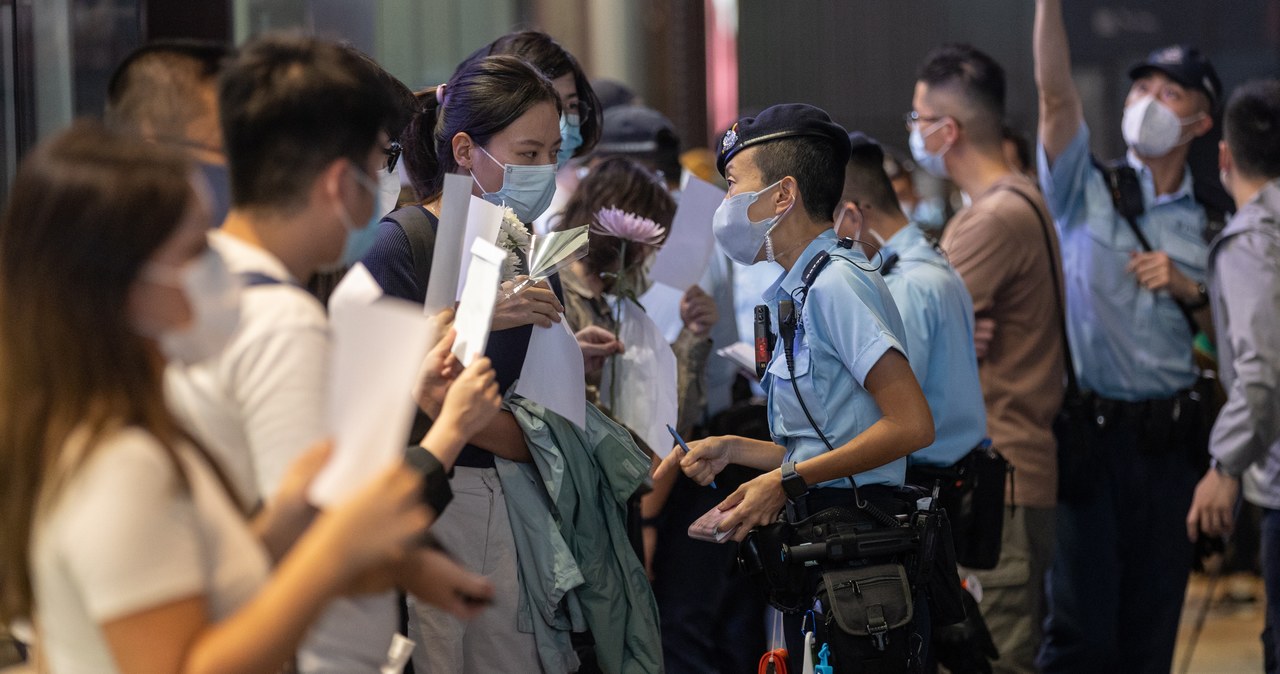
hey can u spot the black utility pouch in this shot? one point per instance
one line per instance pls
(939, 579)
(868, 614)
(984, 524)
(760, 557)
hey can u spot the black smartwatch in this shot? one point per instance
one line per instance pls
(793, 485)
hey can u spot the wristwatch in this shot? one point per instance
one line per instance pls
(1220, 469)
(793, 485)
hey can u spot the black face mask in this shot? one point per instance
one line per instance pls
(219, 190)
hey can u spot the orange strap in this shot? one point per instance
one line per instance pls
(773, 662)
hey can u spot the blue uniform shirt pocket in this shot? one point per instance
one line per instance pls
(787, 418)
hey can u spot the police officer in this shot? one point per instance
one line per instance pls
(844, 407)
(932, 299)
(1118, 577)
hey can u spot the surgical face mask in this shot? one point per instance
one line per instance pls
(360, 239)
(527, 190)
(931, 162)
(738, 236)
(570, 138)
(214, 295)
(1151, 128)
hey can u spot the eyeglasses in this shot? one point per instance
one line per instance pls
(913, 119)
(393, 152)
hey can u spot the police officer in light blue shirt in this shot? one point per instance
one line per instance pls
(845, 407)
(933, 301)
(1122, 550)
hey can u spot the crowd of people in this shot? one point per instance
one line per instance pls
(978, 436)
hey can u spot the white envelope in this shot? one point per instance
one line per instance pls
(647, 400)
(377, 351)
(553, 373)
(479, 294)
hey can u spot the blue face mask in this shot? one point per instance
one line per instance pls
(570, 138)
(219, 190)
(527, 190)
(360, 239)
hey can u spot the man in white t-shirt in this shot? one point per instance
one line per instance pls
(305, 125)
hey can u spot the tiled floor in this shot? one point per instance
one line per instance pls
(1229, 642)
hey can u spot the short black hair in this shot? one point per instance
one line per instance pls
(866, 180)
(980, 82)
(291, 105)
(812, 163)
(158, 85)
(1251, 127)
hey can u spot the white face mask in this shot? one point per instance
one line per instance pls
(931, 162)
(1152, 129)
(738, 236)
(214, 295)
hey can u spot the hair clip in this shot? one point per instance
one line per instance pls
(440, 93)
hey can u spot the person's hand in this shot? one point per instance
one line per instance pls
(597, 345)
(288, 513)
(1213, 506)
(1155, 271)
(437, 372)
(698, 311)
(984, 330)
(375, 525)
(536, 304)
(472, 400)
(430, 575)
(754, 504)
(705, 460)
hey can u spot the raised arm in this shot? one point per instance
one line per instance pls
(1060, 109)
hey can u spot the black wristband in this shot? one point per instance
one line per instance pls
(435, 482)
(1202, 299)
(649, 521)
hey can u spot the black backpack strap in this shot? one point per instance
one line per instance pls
(252, 279)
(1126, 197)
(420, 227)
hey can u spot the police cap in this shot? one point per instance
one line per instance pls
(1186, 66)
(791, 120)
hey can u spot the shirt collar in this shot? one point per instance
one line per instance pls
(791, 281)
(1186, 189)
(904, 240)
(244, 257)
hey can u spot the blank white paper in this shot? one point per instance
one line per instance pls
(683, 257)
(377, 352)
(553, 373)
(479, 294)
(446, 258)
(483, 222)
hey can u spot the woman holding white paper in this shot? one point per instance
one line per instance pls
(120, 537)
(497, 120)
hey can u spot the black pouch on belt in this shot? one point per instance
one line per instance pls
(867, 618)
(987, 471)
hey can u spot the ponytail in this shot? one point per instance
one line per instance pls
(481, 99)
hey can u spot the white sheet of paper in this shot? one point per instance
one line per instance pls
(479, 294)
(357, 288)
(449, 253)
(483, 222)
(740, 354)
(553, 373)
(662, 303)
(683, 258)
(377, 350)
(647, 400)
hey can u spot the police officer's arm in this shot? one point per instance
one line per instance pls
(906, 425)
(1060, 110)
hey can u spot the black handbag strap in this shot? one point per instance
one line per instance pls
(1073, 385)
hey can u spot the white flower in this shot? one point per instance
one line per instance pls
(513, 237)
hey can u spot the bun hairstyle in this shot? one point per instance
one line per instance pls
(554, 61)
(482, 98)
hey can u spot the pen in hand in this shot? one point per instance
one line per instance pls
(680, 441)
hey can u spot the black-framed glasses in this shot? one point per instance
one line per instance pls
(393, 152)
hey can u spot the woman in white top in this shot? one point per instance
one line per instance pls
(119, 537)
